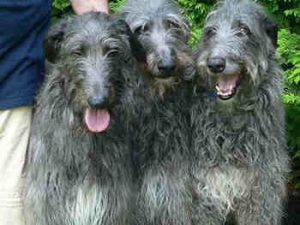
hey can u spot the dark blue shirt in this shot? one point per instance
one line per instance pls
(23, 24)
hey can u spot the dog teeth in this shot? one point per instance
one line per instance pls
(218, 90)
(226, 93)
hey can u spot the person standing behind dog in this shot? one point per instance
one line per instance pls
(23, 25)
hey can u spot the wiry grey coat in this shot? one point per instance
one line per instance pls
(160, 132)
(239, 150)
(75, 177)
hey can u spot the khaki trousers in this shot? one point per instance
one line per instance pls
(14, 135)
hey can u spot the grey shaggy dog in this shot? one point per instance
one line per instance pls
(160, 130)
(238, 137)
(79, 170)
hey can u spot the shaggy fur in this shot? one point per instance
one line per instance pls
(238, 136)
(74, 176)
(160, 132)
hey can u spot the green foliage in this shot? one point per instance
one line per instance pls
(196, 11)
(287, 15)
(114, 5)
(60, 4)
(60, 8)
(289, 50)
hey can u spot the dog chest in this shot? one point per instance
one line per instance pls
(225, 185)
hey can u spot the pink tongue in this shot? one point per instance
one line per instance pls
(227, 83)
(97, 120)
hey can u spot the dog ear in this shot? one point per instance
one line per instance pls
(137, 49)
(271, 29)
(54, 38)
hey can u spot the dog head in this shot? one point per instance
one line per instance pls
(239, 42)
(164, 33)
(89, 51)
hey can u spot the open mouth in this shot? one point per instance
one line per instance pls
(97, 120)
(227, 86)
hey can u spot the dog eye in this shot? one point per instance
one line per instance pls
(172, 24)
(141, 29)
(209, 32)
(79, 51)
(243, 31)
(110, 51)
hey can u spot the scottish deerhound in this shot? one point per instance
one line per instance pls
(160, 131)
(79, 170)
(238, 124)
(164, 33)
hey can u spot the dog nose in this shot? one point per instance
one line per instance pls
(167, 66)
(98, 102)
(216, 64)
